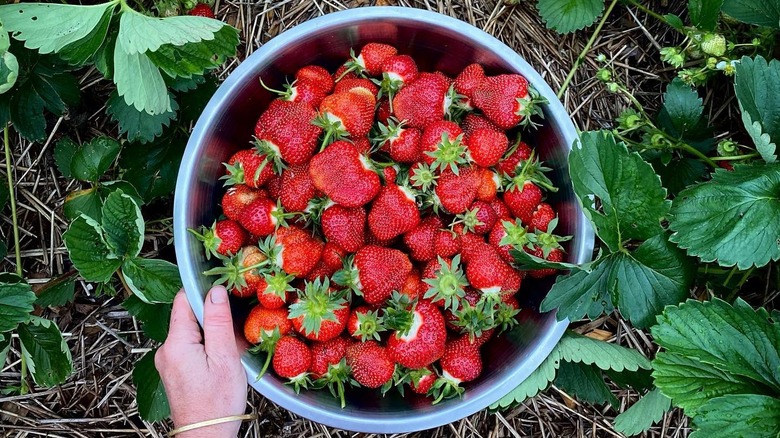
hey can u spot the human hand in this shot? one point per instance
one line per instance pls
(202, 375)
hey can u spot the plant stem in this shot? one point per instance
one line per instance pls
(24, 389)
(736, 157)
(647, 11)
(585, 50)
(128, 292)
(12, 199)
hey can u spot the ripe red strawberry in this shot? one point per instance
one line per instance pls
(201, 10)
(294, 250)
(506, 100)
(274, 187)
(344, 72)
(541, 217)
(333, 255)
(262, 217)
(383, 110)
(469, 242)
(306, 91)
(297, 188)
(346, 114)
(403, 144)
(446, 282)
(508, 234)
(320, 272)
(372, 56)
(396, 72)
(446, 243)
(421, 240)
(509, 165)
(350, 84)
(555, 255)
(248, 167)
(413, 286)
(315, 75)
(365, 323)
(422, 101)
(262, 321)
(451, 316)
(236, 198)
(469, 79)
(421, 380)
(390, 174)
(375, 272)
(393, 212)
(472, 122)
(489, 183)
(502, 211)
(461, 363)
(486, 146)
(479, 218)
(523, 200)
(489, 273)
(457, 192)
(240, 273)
(275, 290)
(371, 364)
(319, 314)
(422, 342)
(224, 238)
(292, 359)
(325, 354)
(341, 173)
(346, 227)
(285, 132)
(442, 145)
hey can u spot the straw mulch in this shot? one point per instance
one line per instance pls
(98, 399)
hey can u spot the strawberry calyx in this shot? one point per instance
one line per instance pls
(530, 106)
(301, 381)
(353, 65)
(370, 324)
(505, 317)
(208, 236)
(412, 377)
(333, 127)
(449, 284)
(267, 345)
(456, 105)
(287, 94)
(475, 319)
(334, 379)
(546, 240)
(469, 220)
(349, 276)
(399, 313)
(314, 210)
(446, 386)
(422, 177)
(388, 86)
(316, 304)
(231, 274)
(449, 153)
(278, 283)
(272, 154)
(531, 170)
(386, 132)
(517, 235)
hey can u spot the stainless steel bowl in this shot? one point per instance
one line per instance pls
(437, 42)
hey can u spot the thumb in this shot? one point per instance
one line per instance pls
(218, 333)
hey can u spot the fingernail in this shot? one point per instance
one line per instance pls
(218, 295)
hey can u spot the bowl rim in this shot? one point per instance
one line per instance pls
(346, 419)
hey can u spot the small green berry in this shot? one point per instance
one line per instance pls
(714, 44)
(727, 148)
(712, 63)
(613, 87)
(756, 42)
(604, 75)
(602, 58)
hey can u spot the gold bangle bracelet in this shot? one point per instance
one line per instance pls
(213, 422)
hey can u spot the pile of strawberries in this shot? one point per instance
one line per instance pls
(374, 219)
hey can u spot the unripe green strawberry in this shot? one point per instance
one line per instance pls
(714, 44)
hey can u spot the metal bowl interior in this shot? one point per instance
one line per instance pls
(437, 42)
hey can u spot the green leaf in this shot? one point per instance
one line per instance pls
(757, 85)
(57, 292)
(48, 27)
(104, 59)
(704, 13)
(155, 318)
(536, 382)
(93, 159)
(758, 12)
(523, 260)
(123, 225)
(569, 15)
(139, 125)
(86, 202)
(585, 383)
(152, 168)
(5, 41)
(5, 345)
(196, 58)
(46, 353)
(682, 116)
(640, 283)
(606, 356)
(194, 100)
(16, 304)
(152, 401)
(9, 70)
(680, 173)
(690, 382)
(675, 21)
(742, 415)
(153, 281)
(640, 417)
(151, 94)
(64, 151)
(139, 33)
(640, 380)
(734, 218)
(657, 274)
(79, 52)
(736, 339)
(89, 251)
(633, 202)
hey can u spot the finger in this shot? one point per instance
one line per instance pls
(218, 333)
(184, 327)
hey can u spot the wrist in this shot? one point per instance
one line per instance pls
(224, 430)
